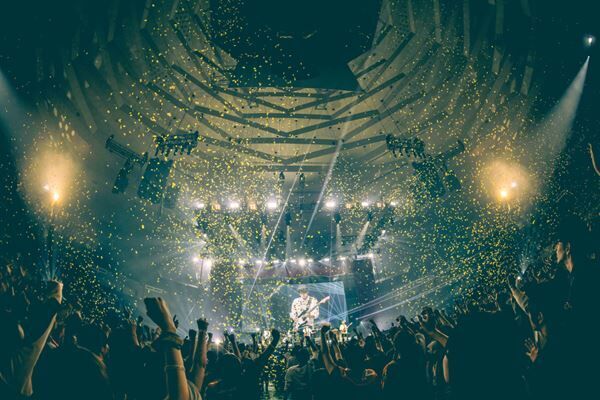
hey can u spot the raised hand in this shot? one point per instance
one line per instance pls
(158, 311)
(202, 325)
(54, 291)
(532, 350)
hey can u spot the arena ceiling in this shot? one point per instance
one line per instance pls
(274, 91)
(159, 70)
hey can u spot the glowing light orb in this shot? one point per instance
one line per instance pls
(330, 204)
(589, 40)
(508, 181)
(272, 204)
(365, 203)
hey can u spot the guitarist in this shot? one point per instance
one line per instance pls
(305, 309)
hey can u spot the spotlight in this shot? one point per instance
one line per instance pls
(365, 203)
(589, 40)
(55, 197)
(302, 262)
(199, 205)
(234, 205)
(258, 263)
(208, 263)
(371, 256)
(330, 204)
(196, 259)
(310, 260)
(326, 259)
(393, 203)
(503, 193)
(241, 261)
(272, 204)
(513, 184)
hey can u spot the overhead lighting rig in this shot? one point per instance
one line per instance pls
(131, 159)
(432, 171)
(179, 142)
(408, 147)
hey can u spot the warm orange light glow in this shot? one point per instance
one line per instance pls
(507, 181)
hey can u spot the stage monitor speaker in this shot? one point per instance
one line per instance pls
(154, 180)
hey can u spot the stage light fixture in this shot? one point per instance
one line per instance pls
(330, 204)
(589, 40)
(272, 204)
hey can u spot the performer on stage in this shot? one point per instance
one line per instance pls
(305, 309)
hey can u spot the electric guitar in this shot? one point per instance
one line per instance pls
(302, 318)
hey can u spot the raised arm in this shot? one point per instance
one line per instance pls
(234, 346)
(26, 358)
(169, 343)
(325, 353)
(200, 359)
(262, 359)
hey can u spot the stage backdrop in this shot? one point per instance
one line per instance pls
(268, 304)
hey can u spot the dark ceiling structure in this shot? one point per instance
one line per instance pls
(279, 93)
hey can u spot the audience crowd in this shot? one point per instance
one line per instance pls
(533, 340)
